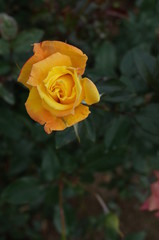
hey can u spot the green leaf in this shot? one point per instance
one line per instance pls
(24, 41)
(140, 164)
(64, 137)
(119, 97)
(117, 132)
(90, 129)
(129, 84)
(146, 5)
(20, 160)
(111, 132)
(145, 64)
(110, 86)
(4, 47)
(57, 219)
(10, 126)
(98, 160)
(68, 162)
(4, 68)
(22, 191)
(136, 236)
(147, 119)
(6, 95)
(138, 62)
(51, 197)
(127, 66)
(105, 61)
(8, 26)
(70, 219)
(131, 76)
(50, 165)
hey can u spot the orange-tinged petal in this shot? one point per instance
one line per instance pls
(81, 112)
(26, 69)
(58, 46)
(39, 51)
(38, 113)
(91, 94)
(40, 70)
(57, 113)
(34, 107)
(78, 58)
(56, 124)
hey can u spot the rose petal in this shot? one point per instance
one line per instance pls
(90, 92)
(81, 112)
(40, 70)
(155, 189)
(153, 203)
(26, 69)
(78, 58)
(57, 72)
(39, 114)
(55, 124)
(34, 107)
(50, 101)
(145, 205)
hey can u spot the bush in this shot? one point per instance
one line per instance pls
(53, 185)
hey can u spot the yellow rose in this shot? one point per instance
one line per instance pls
(54, 77)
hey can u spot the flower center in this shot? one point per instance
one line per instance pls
(60, 87)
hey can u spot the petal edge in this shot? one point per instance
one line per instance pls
(90, 92)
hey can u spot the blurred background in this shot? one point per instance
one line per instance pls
(95, 187)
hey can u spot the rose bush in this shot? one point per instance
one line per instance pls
(57, 90)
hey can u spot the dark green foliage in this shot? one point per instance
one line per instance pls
(136, 236)
(118, 141)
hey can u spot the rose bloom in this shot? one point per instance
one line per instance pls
(53, 76)
(152, 203)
